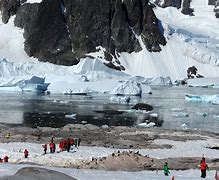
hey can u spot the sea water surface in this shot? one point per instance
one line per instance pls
(53, 110)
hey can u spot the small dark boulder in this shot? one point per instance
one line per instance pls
(142, 106)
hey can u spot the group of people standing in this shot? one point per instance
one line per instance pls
(5, 159)
(64, 145)
(203, 167)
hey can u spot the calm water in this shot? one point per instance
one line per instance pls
(34, 110)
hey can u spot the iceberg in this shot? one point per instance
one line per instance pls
(70, 116)
(155, 81)
(34, 84)
(214, 99)
(158, 81)
(130, 88)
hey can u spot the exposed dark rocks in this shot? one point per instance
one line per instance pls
(215, 3)
(211, 2)
(216, 9)
(173, 3)
(142, 106)
(63, 31)
(9, 8)
(192, 73)
(186, 9)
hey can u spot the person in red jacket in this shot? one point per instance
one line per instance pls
(6, 159)
(26, 153)
(1, 160)
(203, 167)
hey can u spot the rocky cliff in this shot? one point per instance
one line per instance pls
(63, 31)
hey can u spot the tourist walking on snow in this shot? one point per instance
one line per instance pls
(68, 145)
(166, 169)
(44, 148)
(203, 167)
(26, 153)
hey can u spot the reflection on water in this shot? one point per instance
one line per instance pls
(34, 110)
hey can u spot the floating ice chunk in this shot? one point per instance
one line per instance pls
(180, 114)
(203, 82)
(127, 88)
(214, 99)
(154, 115)
(76, 92)
(216, 116)
(176, 109)
(64, 102)
(158, 81)
(184, 126)
(71, 116)
(120, 99)
(146, 125)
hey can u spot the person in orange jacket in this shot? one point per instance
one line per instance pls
(26, 153)
(203, 167)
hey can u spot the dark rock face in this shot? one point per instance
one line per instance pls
(216, 9)
(9, 8)
(173, 3)
(151, 33)
(215, 3)
(186, 8)
(63, 31)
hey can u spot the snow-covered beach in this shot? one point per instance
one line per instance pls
(171, 146)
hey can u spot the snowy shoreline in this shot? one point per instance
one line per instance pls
(162, 144)
(84, 154)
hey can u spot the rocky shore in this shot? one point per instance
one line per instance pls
(130, 140)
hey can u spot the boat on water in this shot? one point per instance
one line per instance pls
(75, 92)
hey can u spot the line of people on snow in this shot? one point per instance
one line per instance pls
(65, 144)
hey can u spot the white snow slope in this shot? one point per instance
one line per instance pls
(191, 40)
